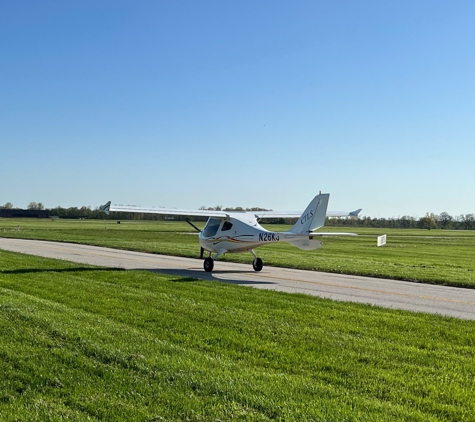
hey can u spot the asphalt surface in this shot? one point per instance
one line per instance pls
(448, 301)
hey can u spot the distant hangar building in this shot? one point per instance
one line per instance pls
(11, 213)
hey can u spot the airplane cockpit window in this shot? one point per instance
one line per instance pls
(227, 226)
(211, 227)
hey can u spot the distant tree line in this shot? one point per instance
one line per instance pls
(430, 221)
(31, 206)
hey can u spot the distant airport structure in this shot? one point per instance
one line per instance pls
(12, 213)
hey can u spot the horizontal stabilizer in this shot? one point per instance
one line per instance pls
(332, 234)
(306, 244)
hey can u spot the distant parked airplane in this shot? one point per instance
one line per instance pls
(240, 231)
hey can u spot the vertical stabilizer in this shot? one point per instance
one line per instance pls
(106, 207)
(314, 216)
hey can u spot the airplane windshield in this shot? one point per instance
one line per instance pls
(211, 227)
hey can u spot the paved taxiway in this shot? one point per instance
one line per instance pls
(449, 301)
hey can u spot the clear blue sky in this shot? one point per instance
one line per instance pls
(239, 103)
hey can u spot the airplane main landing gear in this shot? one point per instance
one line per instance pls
(257, 264)
(208, 264)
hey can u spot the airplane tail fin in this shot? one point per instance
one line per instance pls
(106, 207)
(314, 216)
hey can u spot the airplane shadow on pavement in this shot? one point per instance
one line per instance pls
(187, 276)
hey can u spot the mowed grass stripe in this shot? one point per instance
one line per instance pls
(87, 343)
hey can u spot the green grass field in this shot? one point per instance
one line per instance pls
(82, 343)
(435, 256)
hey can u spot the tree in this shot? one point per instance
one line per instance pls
(405, 221)
(35, 206)
(468, 221)
(471, 219)
(445, 220)
(7, 206)
(216, 208)
(428, 222)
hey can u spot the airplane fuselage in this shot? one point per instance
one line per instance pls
(235, 235)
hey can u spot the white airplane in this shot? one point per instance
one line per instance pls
(240, 231)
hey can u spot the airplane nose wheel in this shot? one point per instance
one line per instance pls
(257, 264)
(208, 264)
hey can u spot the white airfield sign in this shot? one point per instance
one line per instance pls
(381, 240)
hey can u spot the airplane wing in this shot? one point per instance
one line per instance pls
(212, 213)
(107, 208)
(344, 213)
(297, 214)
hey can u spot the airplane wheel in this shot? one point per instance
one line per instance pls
(208, 265)
(257, 264)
